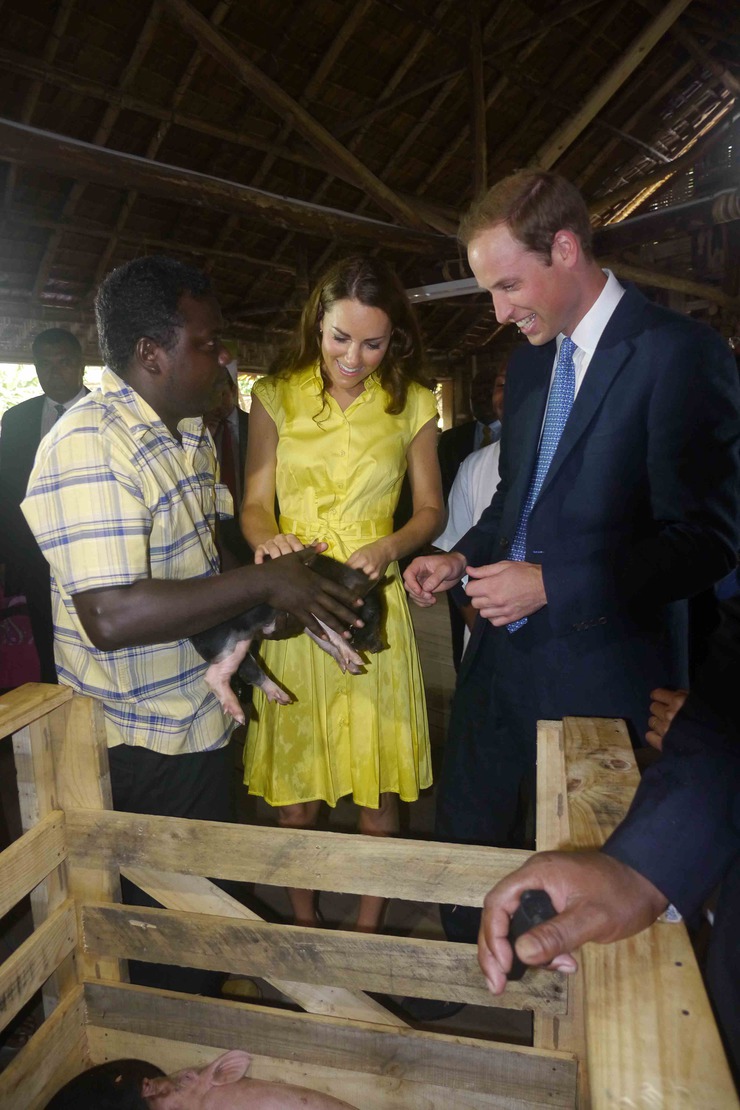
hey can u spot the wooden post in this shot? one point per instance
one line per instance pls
(650, 1033)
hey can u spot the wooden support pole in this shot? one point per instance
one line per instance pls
(553, 149)
(212, 42)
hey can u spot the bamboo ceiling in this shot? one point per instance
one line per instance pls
(262, 139)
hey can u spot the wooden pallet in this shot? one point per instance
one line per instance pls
(633, 1029)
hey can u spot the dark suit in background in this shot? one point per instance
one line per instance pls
(60, 366)
(638, 511)
(26, 569)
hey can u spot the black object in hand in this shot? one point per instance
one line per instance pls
(534, 908)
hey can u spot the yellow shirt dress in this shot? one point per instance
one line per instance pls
(338, 479)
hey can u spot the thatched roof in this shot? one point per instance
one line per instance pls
(264, 138)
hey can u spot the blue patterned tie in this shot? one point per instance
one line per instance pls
(559, 404)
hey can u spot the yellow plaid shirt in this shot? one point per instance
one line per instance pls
(114, 498)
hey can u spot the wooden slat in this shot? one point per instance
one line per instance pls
(30, 965)
(27, 703)
(602, 777)
(422, 871)
(191, 894)
(371, 1092)
(567, 1032)
(536, 1078)
(28, 860)
(56, 1053)
(37, 795)
(649, 1026)
(358, 961)
(82, 778)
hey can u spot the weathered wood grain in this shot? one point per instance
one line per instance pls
(357, 961)
(535, 1078)
(28, 860)
(394, 868)
(651, 1036)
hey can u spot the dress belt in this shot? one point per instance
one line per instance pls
(344, 529)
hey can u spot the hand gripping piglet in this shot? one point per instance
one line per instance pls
(222, 1085)
(226, 646)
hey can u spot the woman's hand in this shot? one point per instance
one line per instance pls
(282, 544)
(373, 559)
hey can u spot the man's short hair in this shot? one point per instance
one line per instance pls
(55, 337)
(534, 205)
(140, 299)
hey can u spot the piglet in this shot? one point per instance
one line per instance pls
(221, 1085)
(226, 646)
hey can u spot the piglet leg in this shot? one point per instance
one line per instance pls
(218, 676)
(252, 673)
(339, 649)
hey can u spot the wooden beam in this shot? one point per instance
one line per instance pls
(27, 968)
(706, 60)
(72, 158)
(697, 149)
(284, 105)
(145, 242)
(53, 1056)
(478, 102)
(667, 223)
(305, 156)
(659, 280)
(27, 861)
(552, 150)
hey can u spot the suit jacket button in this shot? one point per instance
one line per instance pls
(503, 542)
(602, 620)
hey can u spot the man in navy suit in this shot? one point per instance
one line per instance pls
(59, 363)
(581, 601)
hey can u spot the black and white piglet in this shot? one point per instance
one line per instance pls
(226, 646)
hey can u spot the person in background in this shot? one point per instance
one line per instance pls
(345, 414)
(123, 503)
(472, 490)
(457, 443)
(229, 426)
(57, 356)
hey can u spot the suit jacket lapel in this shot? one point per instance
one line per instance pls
(615, 347)
(527, 425)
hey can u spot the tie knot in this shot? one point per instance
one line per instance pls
(60, 410)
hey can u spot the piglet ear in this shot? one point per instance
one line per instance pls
(230, 1068)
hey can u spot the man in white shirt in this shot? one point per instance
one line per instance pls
(618, 499)
(471, 493)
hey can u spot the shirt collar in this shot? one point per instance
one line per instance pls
(67, 404)
(139, 414)
(588, 331)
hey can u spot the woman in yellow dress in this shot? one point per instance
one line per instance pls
(333, 429)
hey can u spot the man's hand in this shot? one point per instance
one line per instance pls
(663, 708)
(308, 595)
(429, 575)
(596, 898)
(505, 592)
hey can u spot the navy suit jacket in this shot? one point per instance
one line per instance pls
(638, 510)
